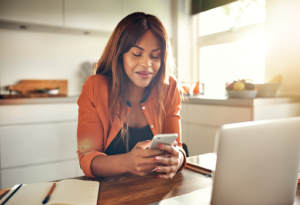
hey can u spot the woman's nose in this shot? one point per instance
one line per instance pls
(146, 61)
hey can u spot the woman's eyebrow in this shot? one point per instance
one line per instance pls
(143, 49)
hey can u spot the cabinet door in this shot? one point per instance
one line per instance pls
(184, 112)
(38, 113)
(201, 139)
(268, 112)
(32, 11)
(23, 145)
(184, 132)
(212, 115)
(38, 173)
(93, 14)
(160, 8)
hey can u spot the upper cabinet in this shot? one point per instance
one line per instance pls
(33, 11)
(160, 8)
(101, 15)
(84, 15)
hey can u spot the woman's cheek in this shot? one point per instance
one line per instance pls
(156, 66)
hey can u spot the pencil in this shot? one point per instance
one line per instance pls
(49, 194)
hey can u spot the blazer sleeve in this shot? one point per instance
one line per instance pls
(172, 119)
(89, 130)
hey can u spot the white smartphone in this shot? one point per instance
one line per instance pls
(163, 139)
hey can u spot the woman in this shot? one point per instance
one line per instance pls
(131, 98)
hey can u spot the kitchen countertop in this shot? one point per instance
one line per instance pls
(208, 100)
(24, 101)
(197, 99)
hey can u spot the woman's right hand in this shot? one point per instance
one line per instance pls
(140, 160)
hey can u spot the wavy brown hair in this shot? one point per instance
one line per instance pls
(125, 35)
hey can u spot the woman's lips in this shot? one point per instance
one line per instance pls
(144, 74)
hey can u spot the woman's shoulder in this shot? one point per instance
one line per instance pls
(173, 84)
(96, 86)
(96, 82)
(172, 80)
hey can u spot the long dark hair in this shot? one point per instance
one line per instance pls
(125, 35)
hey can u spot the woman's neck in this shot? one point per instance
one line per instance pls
(135, 94)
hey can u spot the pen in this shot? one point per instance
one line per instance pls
(12, 194)
(49, 194)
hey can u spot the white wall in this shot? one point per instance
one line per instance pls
(283, 49)
(36, 55)
(27, 54)
(183, 33)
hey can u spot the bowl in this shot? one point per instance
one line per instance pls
(242, 93)
(53, 91)
(267, 90)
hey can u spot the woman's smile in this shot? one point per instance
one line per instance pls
(144, 74)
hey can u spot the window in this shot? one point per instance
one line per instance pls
(231, 44)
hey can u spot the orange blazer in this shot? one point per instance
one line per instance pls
(94, 134)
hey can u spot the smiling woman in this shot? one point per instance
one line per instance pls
(132, 97)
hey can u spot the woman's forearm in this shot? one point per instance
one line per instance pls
(105, 166)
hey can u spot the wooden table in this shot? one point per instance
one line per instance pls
(130, 189)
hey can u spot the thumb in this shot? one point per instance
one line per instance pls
(143, 144)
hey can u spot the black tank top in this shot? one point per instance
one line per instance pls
(135, 135)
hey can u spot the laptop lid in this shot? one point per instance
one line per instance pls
(257, 163)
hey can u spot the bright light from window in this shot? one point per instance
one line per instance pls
(236, 14)
(232, 61)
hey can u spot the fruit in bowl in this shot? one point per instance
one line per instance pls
(241, 89)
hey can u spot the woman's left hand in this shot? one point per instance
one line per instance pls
(169, 162)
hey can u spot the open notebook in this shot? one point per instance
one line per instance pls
(66, 192)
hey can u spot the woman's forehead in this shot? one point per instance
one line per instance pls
(148, 41)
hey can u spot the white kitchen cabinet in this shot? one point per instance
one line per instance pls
(266, 112)
(92, 14)
(77, 16)
(33, 11)
(37, 113)
(213, 115)
(200, 139)
(28, 144)
(200, 121)
(38, 142)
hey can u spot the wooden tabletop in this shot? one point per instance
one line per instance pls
(130, 189)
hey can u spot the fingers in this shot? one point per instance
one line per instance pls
(166, 169)
(143, 166)
(175, 144)
(167, 163)
(169, 148)
(166, 160)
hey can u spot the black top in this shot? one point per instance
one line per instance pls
(135, 135)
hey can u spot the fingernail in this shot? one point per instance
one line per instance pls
(169, 155)
(157, 168)
(161, 146)
(159, 176)
(156, 159)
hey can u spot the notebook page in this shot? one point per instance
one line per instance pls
(75, 192)
(31, 194)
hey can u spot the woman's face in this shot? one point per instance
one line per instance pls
(142, 61)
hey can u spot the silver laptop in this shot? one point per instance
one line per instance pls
(257, 164)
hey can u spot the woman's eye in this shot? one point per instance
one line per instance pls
(155, 57)
(136, 55)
